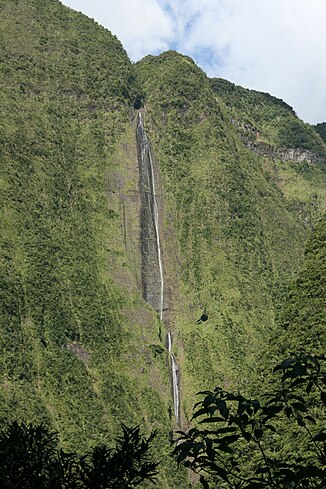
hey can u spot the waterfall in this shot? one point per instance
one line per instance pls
(175, 380)
(151, 219)
(152, 265)
(169, 338)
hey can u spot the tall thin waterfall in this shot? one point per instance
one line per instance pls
(175, 380)
(151, 245)
(152, 265)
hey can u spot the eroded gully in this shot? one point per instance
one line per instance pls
(151, 250)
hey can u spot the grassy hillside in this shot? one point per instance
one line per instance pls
(294, 152)
(267, 118)
(302, 323)
(233, 235)
(79, 347)
(321, 129)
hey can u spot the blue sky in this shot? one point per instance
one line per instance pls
(275, 46)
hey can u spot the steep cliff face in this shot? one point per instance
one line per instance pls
(80, 348)
(232, 235)
(294, 152)
(89, 261)
(302, 324)
(151, 251)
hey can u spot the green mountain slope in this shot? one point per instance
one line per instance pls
(321, 129)
(234, 232)
(269, 127)
(302, 323)
(80, 348)
(268, 119)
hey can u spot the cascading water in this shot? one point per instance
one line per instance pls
(151, 246)
(175, 379)
(152, 266)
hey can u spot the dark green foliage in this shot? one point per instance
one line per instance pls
(236, 234)
(242, 443)
(261, 117)
(295, 134)
(29, 458)
(321, 129)
(126, 466)
(302, 323)
(241, 98)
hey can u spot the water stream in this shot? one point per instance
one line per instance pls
(175, 380)
(147, 168)
(152, 265)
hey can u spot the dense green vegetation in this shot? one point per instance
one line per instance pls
(80, 349)
(242, 443)
(71, 313)
(30, 458)
(302, 323)
(269, 119)
(293, 151)
(276, 439)
(234, 227)
(321, 129)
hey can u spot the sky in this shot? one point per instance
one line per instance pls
(276, 46)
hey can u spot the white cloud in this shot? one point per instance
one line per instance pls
(270, 45)
(141, 25)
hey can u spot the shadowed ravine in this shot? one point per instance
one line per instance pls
(151, 250)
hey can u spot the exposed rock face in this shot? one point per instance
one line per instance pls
(152, 268)
(152, 265)
(283, 154)
(79, 351)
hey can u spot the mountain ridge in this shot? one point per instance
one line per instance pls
(81, 348)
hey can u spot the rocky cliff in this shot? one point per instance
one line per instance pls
(102, 211)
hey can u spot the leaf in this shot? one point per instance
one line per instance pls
(321, 436)
(258, 434)
(296, 382)
(220, 471)
(287, 363)
(309, 387)
(298, 406)
(228, 439)
(226, 430)
(246, 435)
(200, 412)
(256, 405)
(288, 411)
(223, 408)
(278, 367)
(311, 419)
(204, 482)
(301, 422)
(209, 399)
(299, 370)
(212, 419)
(197, 448)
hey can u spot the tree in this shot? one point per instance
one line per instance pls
(28, 456)
(124, 467)
(30, 459)
(278, 442)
